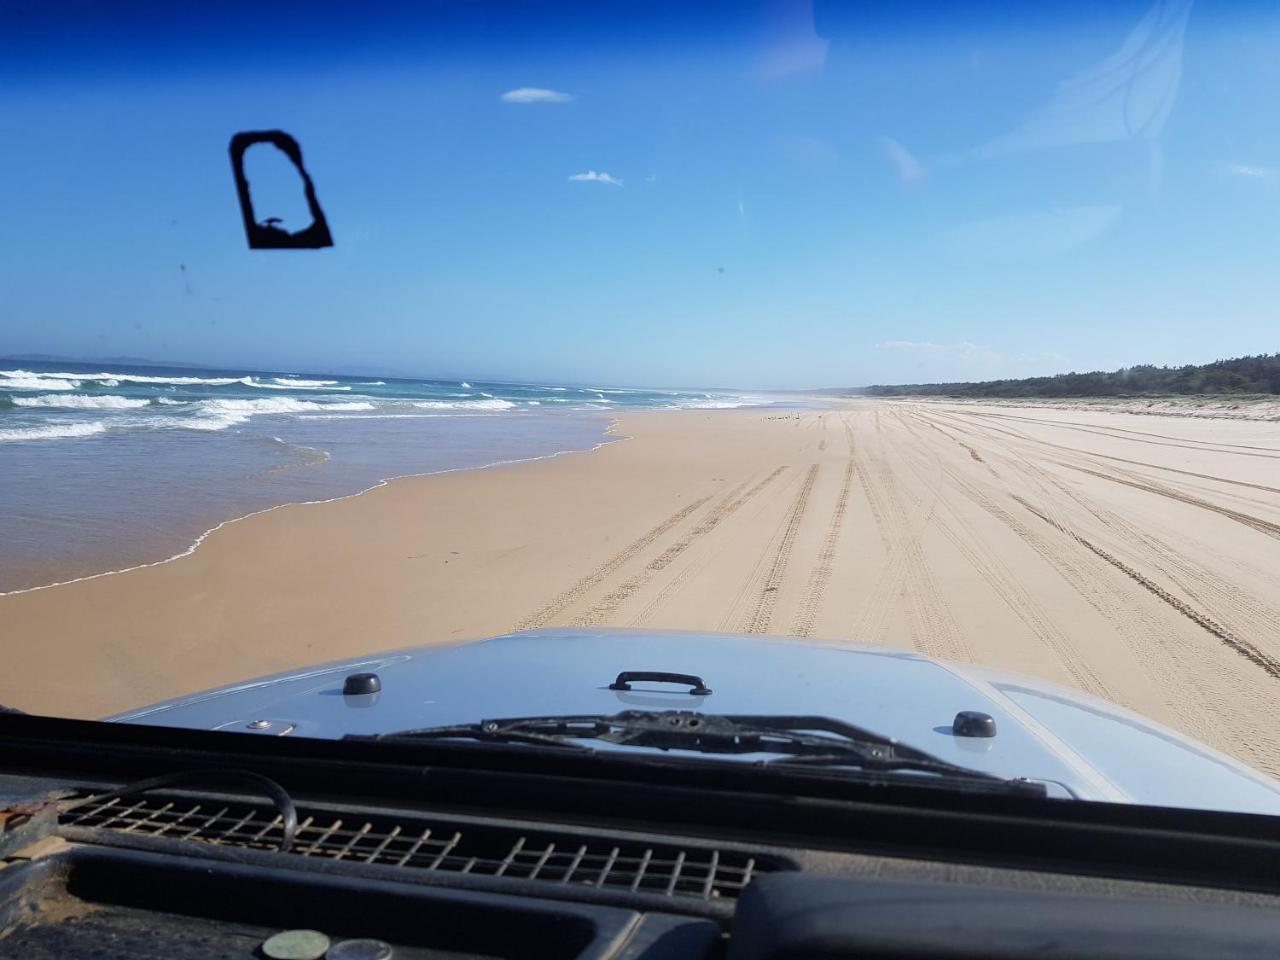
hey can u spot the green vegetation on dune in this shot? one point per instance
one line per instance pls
(1257, 375)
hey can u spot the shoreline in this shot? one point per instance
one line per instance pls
(195, 543)
(111, 469)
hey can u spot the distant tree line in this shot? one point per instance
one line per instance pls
(1259, 374)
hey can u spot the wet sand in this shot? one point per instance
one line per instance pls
(1135, 557)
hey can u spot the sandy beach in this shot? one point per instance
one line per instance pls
(1135, 557)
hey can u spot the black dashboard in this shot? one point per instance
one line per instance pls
(452, 854)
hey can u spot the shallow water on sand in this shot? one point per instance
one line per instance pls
(99, 503)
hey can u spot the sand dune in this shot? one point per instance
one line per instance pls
(1136, 557)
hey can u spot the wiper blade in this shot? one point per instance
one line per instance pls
(801, 740)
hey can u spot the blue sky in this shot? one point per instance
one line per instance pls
(774, 197)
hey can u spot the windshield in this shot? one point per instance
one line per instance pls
(913, 361)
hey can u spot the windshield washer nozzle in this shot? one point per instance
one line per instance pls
(361, 684)
(973, 723)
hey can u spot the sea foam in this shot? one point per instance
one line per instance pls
(278, 405)
(114, 379)
(279, 383)
(52, 431)
(78, 401)
(223, 413)
(295, 382)
(25, 380)
(492, 403)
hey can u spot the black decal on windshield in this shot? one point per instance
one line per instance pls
(267, 234)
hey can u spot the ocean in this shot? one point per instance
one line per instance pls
(104, 467)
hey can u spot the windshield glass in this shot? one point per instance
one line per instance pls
(912, 360)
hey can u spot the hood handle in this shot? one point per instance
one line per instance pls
(700, 689)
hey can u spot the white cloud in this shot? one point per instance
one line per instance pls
(534, 95)
(1252, 172)
(592, 177)
(907, 165)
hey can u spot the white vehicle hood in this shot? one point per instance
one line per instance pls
(1094, 749)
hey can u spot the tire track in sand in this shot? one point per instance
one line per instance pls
(584, 586)
(983, 428)
(973, 453)
(906, 577)
(816, 589)
(1203, 446)
(1139, 481)
(1256, 523)
(708, 524)
(734, 499)
(767, 596)
(1210, 699)
(1005, 584)
(1219, 598)
(1189, 675)
(1241, 646)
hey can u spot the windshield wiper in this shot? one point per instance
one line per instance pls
(800, 740)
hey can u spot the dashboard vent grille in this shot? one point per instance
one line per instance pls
(435, 845)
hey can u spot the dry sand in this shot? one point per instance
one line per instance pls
(1136, 557)
(1220, 407)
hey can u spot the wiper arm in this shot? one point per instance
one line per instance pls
(493, 731)
(802, 740)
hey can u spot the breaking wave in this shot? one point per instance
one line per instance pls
(115, 379)
(23, 380)
(220, 414)
(492, 403)
(79, 401)
(280, 383)
(55, 402)
(52, 431)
